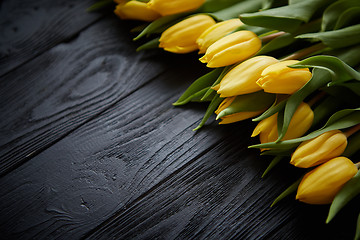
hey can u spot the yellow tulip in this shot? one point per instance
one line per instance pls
(299, 124)
(320, 149)
(135, 10)
(215, 32)
(279, 78)
(242, 78)
(169, 7)
(181, 37)
(233, 48)
(320, 185)
(236, 117)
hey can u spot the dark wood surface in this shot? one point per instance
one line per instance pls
(91, 147)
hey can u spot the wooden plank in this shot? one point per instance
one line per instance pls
(140, 169)
(221, 196)
(87, 176)
(58, 91)
(29, 28)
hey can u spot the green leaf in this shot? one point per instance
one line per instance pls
(332, 15)
(224, 71)
(216, 5)
(347, 17)
(204, 82)
(293, 187)
(161, 23)
(273, 4)
(347, 192)
(277, 43)
(287, 38)
(272, 164)
(152, 44)
(139, 28)
(353, 86)
(99, 5)
(278, 152)
(325, 109)
(280, 122)
(319, 79)
(248, 103)
(235, 10)
(337, 38)
(196, 97)
(210, 110)
(357, 234)
(353, 145)
(339, 70)
(276, 107)
(349, 55)
(257, 30)
(340, 120)
(344, 94)
(287, 18)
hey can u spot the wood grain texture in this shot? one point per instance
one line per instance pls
(85, 177)
(221, 196)
(91, 147)
(29, 28)
(137, 171)
(56, 92)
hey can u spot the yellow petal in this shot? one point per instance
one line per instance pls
(242, 78)
(136, 10)
(231, 49)
(320, 185)
(300, 122)
(215, 32)
(319, 150)
(239, 117)
(181, 37)
(166, 7)
(278, 78)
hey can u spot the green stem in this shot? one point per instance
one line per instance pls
(352, 130)
(272, 36)
(357, 165)
(315, 99)
(305, 52)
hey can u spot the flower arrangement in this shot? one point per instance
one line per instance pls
(291, 67)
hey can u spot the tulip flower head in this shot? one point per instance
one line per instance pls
(242, 78)
(236, 117)
(279, 78)
(320, 149)
(233, 48)
(181, 37)
(215, 32)
(169, 7)
(321, 185)
(299, 124)
(135, 10)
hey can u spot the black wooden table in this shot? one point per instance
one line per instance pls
(91, 146)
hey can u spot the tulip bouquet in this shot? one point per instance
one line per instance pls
(290, 66)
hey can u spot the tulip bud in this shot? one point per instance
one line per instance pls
(242, 78)
(181, 37)
(215, 32)
(279, 78)
(231, 49)
(235, 117)
(320, 149)
(320, 185)
(169, 7)
(135, 10)
(299, 124)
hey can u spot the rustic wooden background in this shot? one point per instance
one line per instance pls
(91, 147)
